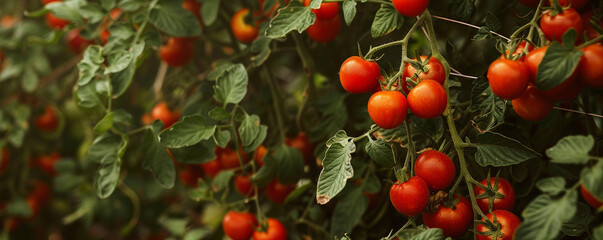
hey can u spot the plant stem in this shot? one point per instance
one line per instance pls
(136, 207)
(403, 42)
(410, 220)
(470, 25)
(412, 152)
(277, 102)
(159, 78)
(593, 41)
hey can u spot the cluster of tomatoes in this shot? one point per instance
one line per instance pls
(242, 226)
(327, 25)
(179, 51)
(38, 197)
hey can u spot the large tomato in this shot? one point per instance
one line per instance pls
(177, 51)
(358, 75)
(5, 160)
(239, 225)
(410, 197)
(453, 222)
(554, 27)
(76, 42)
(508, 79)
(163, 113)
(508, 225)
(302, 143)
(428, 99)
(275, 231)
(590, 70)
(278, 192)
(55, 22)
(47, 163)
(244, 185)
(47, 121)
(243, 31)
(567, 90)
(503, 187)
(590, 198)
(575, 4)
(436, 169)
(325, 30)
(327, 10)
(229, 158)
(410, 8)
(532, 105)
(590, 32)
(387, 108)
(435, 71)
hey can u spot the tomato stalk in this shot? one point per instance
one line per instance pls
(236, 138)
(276, 102)
(159, 78)
(591, 42)
(469, 25)
(143, 26)
(410, 220)
(309, 67)
(129, 193)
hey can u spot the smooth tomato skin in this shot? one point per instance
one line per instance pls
(177, 52)
(387, 108)
(5, 160)
(8, 21)
(590, 32)
(259, 155)
(504, 187)
(325, 30)
(358, 75)
(77, 44)
(533, 105)
(410, 8)
(576, 4)
(276, 231)
(428, 99)
(410, 197)
(212, 168)
(163, 113)
(567, 90)
(49, 1)
(190, 175)
(453, 222)
(590, 70)
(436, 169)
(302, 143)
(508, 225)
(508, 79)
(278, 192)
(48, 121)
(244, 32)
(590, 199)
(47, 163)
(436, 72)
(327, 10)
(229, 159)
(244, 185)
(239, 225)
(554, 27)
(55, 22)
(104, 36)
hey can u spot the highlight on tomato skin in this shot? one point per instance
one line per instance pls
(243, 31)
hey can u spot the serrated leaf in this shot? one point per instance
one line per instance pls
(380, 152)
(461, 9)
(386, 20)
(231, 86)
(558, 64)
(186, 132)
(293, 17)
(348, 212)
(104, 124)
(221, 68)
(571, 150)
(592, 178)
(544, 216)
(156, 158)
(171, 18)
(551, 185)
(106, 179)
(497, 150)
(249, 129)
(349, 11)
(120, 81)
(288, 161)
(429, 234)
(337, 168)
(491, 108)
(209, 11)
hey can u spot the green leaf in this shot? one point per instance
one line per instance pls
(380, 152)
(258, 140)
(92, 13)
(197, 233)
(429, 234)
(558, 64)
(221, 137)
(156, 158)
(348, 212)
(293, 17)
(106, 179)
(266, 172)
(68, 10)
(497, 150)
(202, 193)
(337, 167)
(209, 11)
(289, 162)
(551, 185)
(598, 233)
(120, 81)
(219, 114)
(186, 132)
(349, 11)
(544, 216)
(491, 108)
(592, 178)
(221, 68)
(571, 150)
(104, 124)
(223, 178)
(131, 5)
(90, 64)
(249, 129)
(298, 192)
(29, 81)
(387, 19)
(199, 153)
(231, 87)
(492, 22)
(18, 207)
(86, 97)
(118, 61)
(176, 226)
(461, 9)
(169, 17)
(105, 148)
(580, 222)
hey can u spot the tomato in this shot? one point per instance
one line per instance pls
(508, 79)
(575, 4)
(275, 231)
(260, 153)
(5, 160)
(532, 105)
(55, 22)
(8, 21)
(410, 197)
(244, 185)
(436, 169)
(77, 44)
(435, 72)
(40, 191)
(532, 3)
(327, 10)
(301, 142)
(177, 51)
(49, 1)
(163, 113)
(229, 158)
(194, 7)
(190, 175)
(104, 36)
(590, 70)
(387, 108)
(590, 199)
(590, 32)
(567, 90)
(504, 187)
(278, 192)
(428, 99)
(324, 30)
(508, 225)
(212, 168)
(453, 222)
(553, 27)
(358, 75)
(410, 8)
(47, 121)
(115, 13)
(243, 31)
(47, 163)
(35, 207)
(239, 225)
(519, 50)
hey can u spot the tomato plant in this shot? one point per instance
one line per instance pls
(436, 169)
(554, 26)
(358, 75)
(508, 225)
(435, 71)
(410, 197)
(427, 100)
(508, 79)
(387, 108)
(454, 221)
(239, 225)
(500, 194)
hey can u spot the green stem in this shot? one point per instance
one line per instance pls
(277, 102)
(410, 220)
(367, 134)
(236, 138)
(593, 41)
(412, 152)
(403, 42)
(143, 26)
(135, 210)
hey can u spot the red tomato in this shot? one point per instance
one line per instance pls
(260, 153)
(8, 21)
(519, 50)
(48, 121)
(163, 113)
(77, 44)
(55, 22)
(301, 142)
(575, 4)
(35, 207)
(239, 225)
(190, 175)
(554, 27)
(278, 192)
(177, 51)
(358, 75)
(436, 169)
(504, 187)
(428, 99)
(49, 1)
(327, 10)
(590, 32)
(243, 31)
(104, 36)
(115, 13)
(567, 90)
(244, 185)
(590, 69)
(229, 158)
(194, 7)
(324, 30)
(410, 197)
(590, 199)
(275, 231)
(146, 119)
(410, 8)
(453, 222)
(387, 108)
(532, 105)
(435, 72)
(508, 79)
(40, 191)
(212, 168)
(5, 160)
(508, 225)
(47, 163)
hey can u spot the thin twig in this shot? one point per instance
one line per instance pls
(469, 25)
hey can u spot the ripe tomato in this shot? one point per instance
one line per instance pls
(278, 192)
(553, 27)
(301, 142)
(508, 79)
(55, 22)
(47, 121)
(453, 222)
(104, 36)
(239, 225)
(260, 153)
(436, 169)
(568, 90)
(212, 168)
(410, 197)
(387, 108)
(435, 72)
(590, 32)
(428, 99)
(190, 175)
(590, 199)
(590, 69)
(410, 8)
(229, 159)
(532, 105)
(5, 160)
(575, 4)
(8, 21)
(244, 185)
(40, 191)
(519, 50)
(177, 51)
(327, 10)
(504, 187)
(47, 163)
(77, 44)
(49, 1)
(275, 231)
(508, 225)
(358, 75)
(35, 206)
(163, 113)
(243, 31)
(194, 7)
(324, 30)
